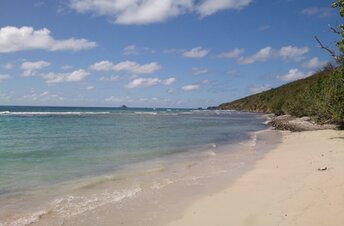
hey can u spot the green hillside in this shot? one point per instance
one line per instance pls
(320, 96)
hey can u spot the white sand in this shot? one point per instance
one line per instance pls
(284, 188)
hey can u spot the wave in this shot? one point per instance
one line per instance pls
(70, 206)
(145, 113)
(16, 113)
(26, 220)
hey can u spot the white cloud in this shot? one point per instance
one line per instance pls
(42, 97)
(314, 63)
(292, 52)
(234, 54)
(199, 71)
(209, 7)
(31, 68)
(134, 50)
(131, 50)
(197, 52)
(152, 11)
(262, 55)
(4, 77)
(195, 86)
(13, 39)
(111, 78)
(133, 11)
(317, 11)
(114, 99)
(146, 82)
(143, 82)
(286, 53)
(169, 81)
(89, 87)
(293, 74)
(75, 76)
(259, 88)
(135, 68)
(126, 66)
(102, 66)
(191, 87)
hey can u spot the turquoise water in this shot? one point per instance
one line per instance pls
(48, 145)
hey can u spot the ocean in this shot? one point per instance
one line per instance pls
(48, 154)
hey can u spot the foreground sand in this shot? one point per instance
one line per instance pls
(286, 187)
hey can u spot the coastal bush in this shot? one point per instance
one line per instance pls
(320, 96)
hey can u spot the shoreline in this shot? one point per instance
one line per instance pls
(300, 182)
(152, 194)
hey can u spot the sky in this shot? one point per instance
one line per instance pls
(156, 53)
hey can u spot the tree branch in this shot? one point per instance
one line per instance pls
(330, 51)
(335, 29)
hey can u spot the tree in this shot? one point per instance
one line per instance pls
(339, 29)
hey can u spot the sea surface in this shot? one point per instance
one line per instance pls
(45, 148)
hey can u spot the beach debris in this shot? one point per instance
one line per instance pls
(322, 169)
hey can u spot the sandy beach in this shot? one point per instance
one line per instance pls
(301, 182)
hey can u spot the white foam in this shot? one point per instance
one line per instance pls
(253, 140)
(146, 113)
(162, 184)
(70, 206)
(26, 220)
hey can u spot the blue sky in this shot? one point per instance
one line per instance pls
(156, 53)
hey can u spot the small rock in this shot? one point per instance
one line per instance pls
(322, 169)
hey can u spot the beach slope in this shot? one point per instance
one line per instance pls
(301, 182)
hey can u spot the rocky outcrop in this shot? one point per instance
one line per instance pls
(288, 122)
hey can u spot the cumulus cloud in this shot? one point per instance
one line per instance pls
(264, 54)
(260, 56)
(133, 11)
(197, 52)
(146, 82)
(126, 66)
(31, 68)
(314, 63)
(259, 88)
(199, 71)
(317, 11)
(293, 74)
(169, 81)
(234, 54)
(152, 11)
(191, 87)
(292, 52)
(209, 7)
(13, 39)
(75, 76)
(4, 77)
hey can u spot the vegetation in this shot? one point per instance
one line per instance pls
(320, 96)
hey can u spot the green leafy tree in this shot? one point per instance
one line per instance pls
(337, 55)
